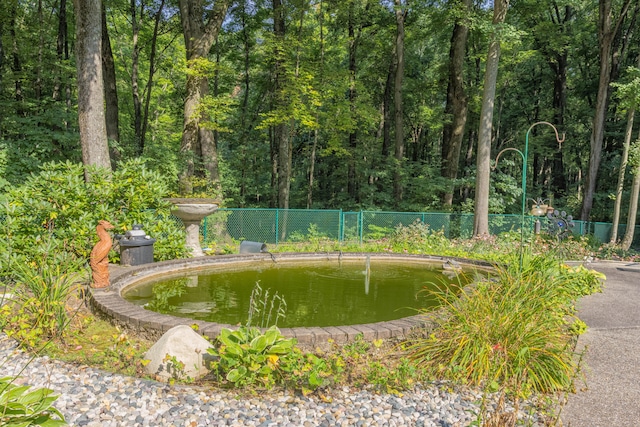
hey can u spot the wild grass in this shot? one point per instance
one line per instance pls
(511, 331)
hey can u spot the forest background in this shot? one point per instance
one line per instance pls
(351, 104)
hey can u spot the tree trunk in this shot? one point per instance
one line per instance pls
(312, 166)
(152, 70)
(312, 155)
(62, 49)
(386, 107)
(135, 70)
(559, 66)
(481, 217)
(281, 135)
(621, 173)
(397, 96)
(110, 89)
(629, 233)
(558, 179)
(606, 34)
(16, 64)
(1, 56)
(38, 83)
(91, 118)
(352, 180)
(456, 107)
(197, 142)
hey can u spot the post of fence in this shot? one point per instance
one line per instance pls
(340, 226)
(361, 225)
(204, 232)
(277, 225)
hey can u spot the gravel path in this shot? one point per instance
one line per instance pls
(91, 397)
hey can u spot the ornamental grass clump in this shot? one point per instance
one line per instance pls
(41, 288)
(511, 331)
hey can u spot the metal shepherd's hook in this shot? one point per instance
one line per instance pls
(524, 156)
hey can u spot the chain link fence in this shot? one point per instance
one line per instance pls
(275, 226)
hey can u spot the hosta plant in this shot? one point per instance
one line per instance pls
(247, 356)
(22, 406)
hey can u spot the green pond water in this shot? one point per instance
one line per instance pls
(318, 293)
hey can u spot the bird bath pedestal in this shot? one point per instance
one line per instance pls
(191, 212)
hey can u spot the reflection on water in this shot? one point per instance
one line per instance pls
(319, 293)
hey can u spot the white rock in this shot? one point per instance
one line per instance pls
(185, 346)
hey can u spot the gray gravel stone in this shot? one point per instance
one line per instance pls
(93, 398)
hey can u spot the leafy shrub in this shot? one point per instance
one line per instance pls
(419, 237)
(57, 203)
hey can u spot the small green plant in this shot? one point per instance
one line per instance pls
(418, 237)
(23, 406)
(247, 356)
(176, 368)
(392, 379)
(376, 232)
(263, 306)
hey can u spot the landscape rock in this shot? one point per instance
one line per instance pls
(179, 344)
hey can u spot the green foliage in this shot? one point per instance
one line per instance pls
(41, 287)
(375, 232)
(22, 406)
(627, 90)
(512, 330)
(176, 368)
(313, 236)
(97, 342)
(393, 379)
(419, 238)
(42, 294)
(247, 356)
(57, 204)
(634, 156)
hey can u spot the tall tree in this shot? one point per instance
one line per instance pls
(16, 63)
(481, 217)
(91, 118)
(621, 173)
(456, 107)
(608, 30)
(62, 47)
(633, 209)
(200, 28)
(151, 74)
(280, 132)
(629, 97)
(401, 15)
(135, 71)
(558, 60)
(110, 90)
(354, 38)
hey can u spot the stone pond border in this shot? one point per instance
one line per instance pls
(109, 302)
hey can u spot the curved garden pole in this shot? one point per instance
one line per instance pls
(525, 158)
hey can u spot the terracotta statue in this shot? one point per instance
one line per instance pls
(99, 260)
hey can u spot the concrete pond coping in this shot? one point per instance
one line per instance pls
(110, 303)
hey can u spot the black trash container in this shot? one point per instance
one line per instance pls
(136, 247)
(247, 247)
